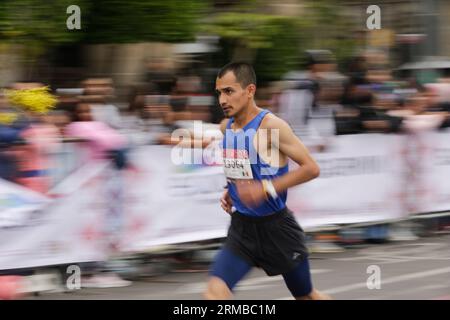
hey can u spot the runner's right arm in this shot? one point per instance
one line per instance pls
(225, 201)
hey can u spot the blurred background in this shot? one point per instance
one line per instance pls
(89, 181)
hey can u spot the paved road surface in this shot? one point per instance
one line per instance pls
(409, 270)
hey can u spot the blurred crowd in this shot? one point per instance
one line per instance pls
(365, 96)
(30, 139)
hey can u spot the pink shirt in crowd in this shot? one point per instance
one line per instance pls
(100, 138)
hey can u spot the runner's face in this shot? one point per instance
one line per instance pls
(232, 97)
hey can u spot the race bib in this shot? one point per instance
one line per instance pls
(236, 164)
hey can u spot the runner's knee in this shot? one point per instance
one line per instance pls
(217, 289)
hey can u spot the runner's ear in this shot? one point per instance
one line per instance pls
(251, 89)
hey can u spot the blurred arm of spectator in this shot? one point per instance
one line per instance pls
(99, 136)
(423, 122)
(421, 119)
(438, 95)
(171, 117)
(190, 138)
(186, 142)
(400, 113)
(376, 125)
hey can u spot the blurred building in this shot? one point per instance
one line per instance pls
(410, 29)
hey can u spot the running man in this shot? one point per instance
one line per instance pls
(263, 232)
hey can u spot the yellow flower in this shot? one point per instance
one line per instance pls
(38, 100)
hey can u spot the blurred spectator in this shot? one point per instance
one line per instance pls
(137, 99)
(347, 121)
(178, 97)
(367, 98)
(417, 117)
(439, 99)
(100, 142)
(375, 119)
(179, 105)
(68, 98)
(11, 126)
(60, 119)
(301, 96)
(98, 92)
(160, 76)
(40, 138)
(357, 90)
(157, 107)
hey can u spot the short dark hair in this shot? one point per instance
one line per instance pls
(244, 73)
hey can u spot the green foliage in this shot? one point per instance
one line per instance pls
(249, 32)
(275, 44)
(328, 28)
(40, 24)
(37, 23)
(255, 30)
(118, 21)
(37, 26)
(273, 61)
(268, 41)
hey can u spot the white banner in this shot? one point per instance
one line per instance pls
(366, 177)
(18, 204)
(432, 178)
(169, 203)
(359, 182)
(68, 229)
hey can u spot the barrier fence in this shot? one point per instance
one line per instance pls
(365, 179)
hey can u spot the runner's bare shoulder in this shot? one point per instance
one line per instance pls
(271, 121)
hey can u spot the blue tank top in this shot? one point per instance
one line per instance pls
(240, 144)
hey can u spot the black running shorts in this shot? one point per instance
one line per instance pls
(275, 243)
